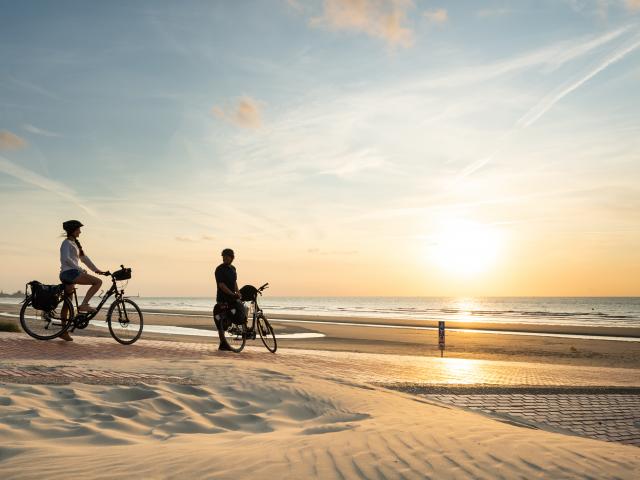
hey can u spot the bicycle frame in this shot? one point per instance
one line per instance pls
(257, 311)
(88, 316)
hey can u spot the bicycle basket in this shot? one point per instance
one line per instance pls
(122, 274)
(249, 293)
(45, 297)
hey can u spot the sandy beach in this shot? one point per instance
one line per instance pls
(428, 209)
(221, 415)
(172, 407)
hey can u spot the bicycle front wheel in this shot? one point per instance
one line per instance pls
(267, 335)
(46, 325)
(125, 321)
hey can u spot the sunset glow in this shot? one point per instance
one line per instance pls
(461, 149)
(466, 248)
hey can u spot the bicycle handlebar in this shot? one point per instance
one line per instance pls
(266, 285)
(108, 273)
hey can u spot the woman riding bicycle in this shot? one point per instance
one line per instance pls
(71, 253)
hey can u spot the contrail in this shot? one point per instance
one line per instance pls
(535, 113)
(543, 107)
(32, 178)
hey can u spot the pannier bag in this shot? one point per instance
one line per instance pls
(223, 315)
(122, 274)
(45, 297)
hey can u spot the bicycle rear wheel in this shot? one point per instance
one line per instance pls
(125, 321)
(46, 325)
(235, 336)
(267, 335)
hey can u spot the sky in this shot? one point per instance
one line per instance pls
(340, 147)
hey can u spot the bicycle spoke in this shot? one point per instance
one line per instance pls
(45, 325)
(267, 335)
(125, 321)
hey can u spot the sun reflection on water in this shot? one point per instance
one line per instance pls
(465, 308)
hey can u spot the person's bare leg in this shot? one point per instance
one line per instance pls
(64, 313)
(95, 282)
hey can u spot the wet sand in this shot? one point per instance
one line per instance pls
(357, 335)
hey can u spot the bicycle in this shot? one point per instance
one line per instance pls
(236, 335)
(124, 317)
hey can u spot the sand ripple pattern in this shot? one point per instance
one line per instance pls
(267, 423)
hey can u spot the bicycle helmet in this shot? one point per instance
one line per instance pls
(228, 252)
(71, 225)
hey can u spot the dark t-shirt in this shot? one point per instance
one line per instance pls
(227, 275)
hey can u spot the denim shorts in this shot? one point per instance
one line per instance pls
(69, 276)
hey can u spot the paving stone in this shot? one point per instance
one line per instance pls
(591, 419)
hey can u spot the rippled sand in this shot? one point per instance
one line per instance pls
(251, 420)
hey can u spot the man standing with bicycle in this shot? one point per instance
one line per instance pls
(228, 292)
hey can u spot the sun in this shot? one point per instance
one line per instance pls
(465, 248)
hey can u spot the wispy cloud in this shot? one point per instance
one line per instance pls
(246, 114)
(317, 251)
(384, 19)
(585, 47)
(39, 131)
(493, 12)
(33, 88)
(296, 5)
(633, 5)
(190, 239)
(318, 136)
(32, 178)
(11, 141)
(185, 239)
(437, 15)
(600, 8)
(548, 102)
(548, 58)
(356, 163)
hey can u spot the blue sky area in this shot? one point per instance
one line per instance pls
(325, 134)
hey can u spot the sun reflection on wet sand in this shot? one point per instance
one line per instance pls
(462, 371)
(432, 370)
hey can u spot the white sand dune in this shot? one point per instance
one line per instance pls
(247, 422)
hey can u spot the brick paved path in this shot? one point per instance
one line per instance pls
(610, 417)
(36, 374)
(360, 367)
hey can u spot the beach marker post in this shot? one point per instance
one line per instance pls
(441, 337)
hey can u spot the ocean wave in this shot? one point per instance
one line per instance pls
(553, 310)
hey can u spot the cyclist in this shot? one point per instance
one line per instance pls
(228, 292)
(71, 253)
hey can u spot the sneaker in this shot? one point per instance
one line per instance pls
(86, 308)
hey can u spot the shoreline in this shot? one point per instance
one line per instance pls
(358, 336)
(594, 331)
(544, 327)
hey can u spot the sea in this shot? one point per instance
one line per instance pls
(584, 311)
